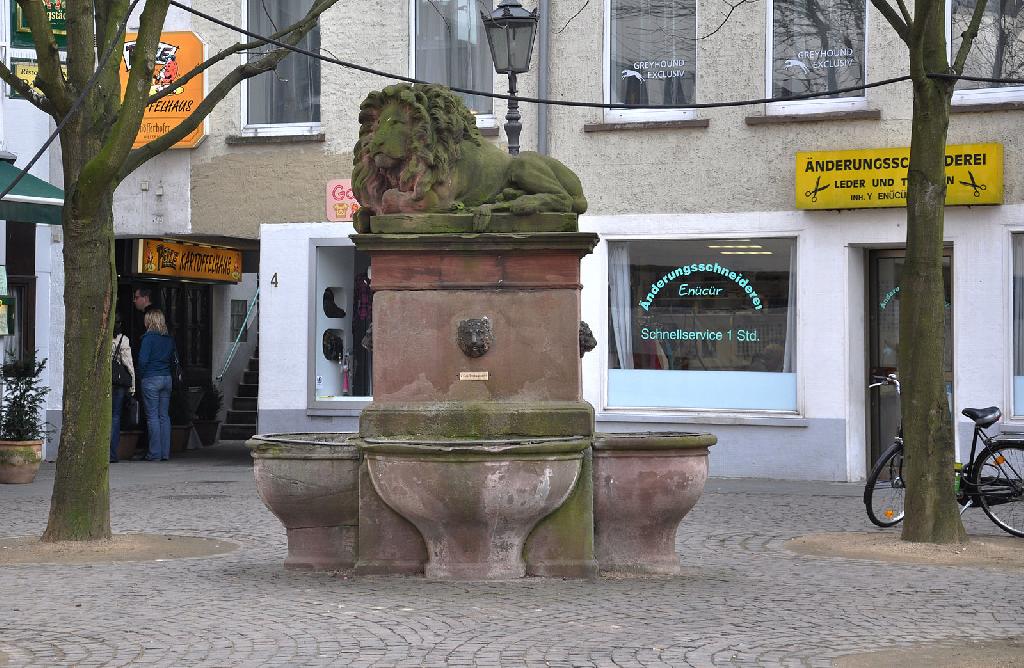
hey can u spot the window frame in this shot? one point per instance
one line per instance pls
(272, 129)
(608, 408)
(644, 115)
(482, 120)
(815, 105)
(992, 95)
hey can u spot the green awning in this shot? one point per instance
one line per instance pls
(32, 200)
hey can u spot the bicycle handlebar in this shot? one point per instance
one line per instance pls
(889, 379)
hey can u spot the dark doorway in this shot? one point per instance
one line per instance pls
(188, 310)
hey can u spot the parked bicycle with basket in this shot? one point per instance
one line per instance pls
(992, 478)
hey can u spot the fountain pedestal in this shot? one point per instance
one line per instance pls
(475, 442)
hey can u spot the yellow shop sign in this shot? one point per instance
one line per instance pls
(166, 258)
(877, 177)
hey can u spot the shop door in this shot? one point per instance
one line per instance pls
(884, 271)
(188, 310)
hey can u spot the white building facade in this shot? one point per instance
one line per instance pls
(777, 371)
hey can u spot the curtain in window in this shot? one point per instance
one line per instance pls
(1018, 305)
(292, 93)
(621, 308)
(789, 356)
(451, 49)
(653, 51)
(998, 50)
(817, 45)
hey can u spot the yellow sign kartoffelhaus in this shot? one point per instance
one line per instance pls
(873, 178)
(177, 54)
(165, 258)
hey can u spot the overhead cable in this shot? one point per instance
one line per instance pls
(502, 96)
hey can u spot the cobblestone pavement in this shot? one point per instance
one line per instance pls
(743, 600)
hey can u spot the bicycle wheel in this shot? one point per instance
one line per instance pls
(998, 477)
(883, 493)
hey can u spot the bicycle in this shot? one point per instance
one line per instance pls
(990, 478)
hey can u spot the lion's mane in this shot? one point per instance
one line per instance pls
(439, 124)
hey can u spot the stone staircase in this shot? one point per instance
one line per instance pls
(241, 418)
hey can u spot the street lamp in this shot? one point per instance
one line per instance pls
(510, 32)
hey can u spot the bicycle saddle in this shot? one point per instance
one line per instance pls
(984, 417)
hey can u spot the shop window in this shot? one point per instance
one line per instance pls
(652, 57)
(998, 50)
(450, 48)
(285, 101)
(815, 46)
(706, 324)
(239, 307)
(343, 307)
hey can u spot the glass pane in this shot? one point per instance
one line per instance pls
(1018, 324)
(653, 51)
(292, 93)
(239, 308)
(998, 51)
(818, 45)
(703, 324)
(884, 341)
(451, 49)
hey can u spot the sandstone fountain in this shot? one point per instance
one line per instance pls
(477, 458)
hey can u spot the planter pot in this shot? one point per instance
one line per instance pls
(474, 503)
(311, 483)
(19, 461)
(127, 443)
(206, 430)
(644, 484)
(179, 437)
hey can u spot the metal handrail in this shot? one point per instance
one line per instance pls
(238, 338)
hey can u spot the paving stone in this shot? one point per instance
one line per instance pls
(743, 600)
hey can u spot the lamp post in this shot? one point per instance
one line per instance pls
(510, 32)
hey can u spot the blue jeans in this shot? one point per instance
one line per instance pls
(117, 393)
(156, 395)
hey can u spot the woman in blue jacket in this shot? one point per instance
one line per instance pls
(154, 371)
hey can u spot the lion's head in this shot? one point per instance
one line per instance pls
(410, 137)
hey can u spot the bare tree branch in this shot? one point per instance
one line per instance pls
(732, 8)
(103, 167)
(81, 26)
(967, 38)
(902, 27)
(905, 12)
(230, 51)
(246, 70)
(51, 77)
(26, 91)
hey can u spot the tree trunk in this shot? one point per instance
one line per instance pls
(932, 514)
(80, 506)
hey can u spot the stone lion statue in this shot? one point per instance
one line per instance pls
(419, 151)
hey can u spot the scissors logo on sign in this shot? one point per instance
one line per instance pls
(978, 187)
(813, 194)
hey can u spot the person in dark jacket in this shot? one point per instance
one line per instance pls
(154, 373)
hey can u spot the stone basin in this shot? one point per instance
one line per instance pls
(474, 502)
(644, 485)
(310, 481)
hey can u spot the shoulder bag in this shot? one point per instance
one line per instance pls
(119, 374)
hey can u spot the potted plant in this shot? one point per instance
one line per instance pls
(180, 412)
(207, 412)
(22, 425)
